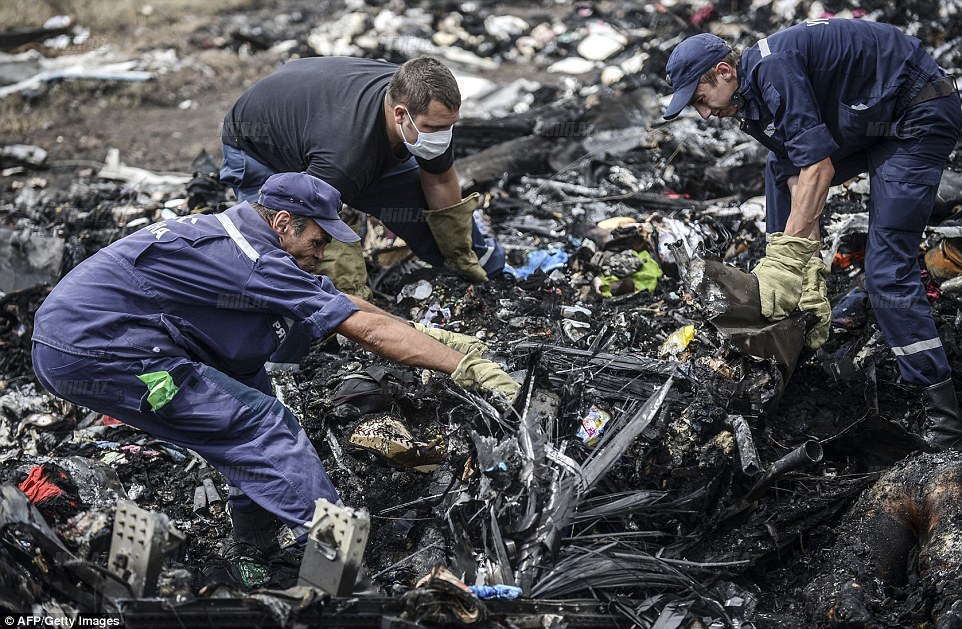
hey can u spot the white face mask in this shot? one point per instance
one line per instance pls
(428, 145)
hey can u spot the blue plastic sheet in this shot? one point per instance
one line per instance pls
(496, 591)
(546, 260)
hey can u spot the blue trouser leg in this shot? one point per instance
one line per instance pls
(778, 201)
(397, 200)
(905, 171)
(244, 433)
(243, 173)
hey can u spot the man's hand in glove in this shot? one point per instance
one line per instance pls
(779, 274)
(460, 342)
(814, 299)
(452, 230)
(482, 375)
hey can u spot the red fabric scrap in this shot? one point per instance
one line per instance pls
(932, 290)
(844, 260)
(110, 421)
(38, 487)
(702, 15)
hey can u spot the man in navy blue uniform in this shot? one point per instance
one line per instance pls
(833, 98)
(169, 328)
(381, 135)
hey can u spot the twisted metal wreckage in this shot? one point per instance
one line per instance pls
(646, 476)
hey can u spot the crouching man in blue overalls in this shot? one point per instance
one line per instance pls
(832, 98)
(169, 329)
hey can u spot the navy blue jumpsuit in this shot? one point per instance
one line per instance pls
(207, 299)
(843, 89)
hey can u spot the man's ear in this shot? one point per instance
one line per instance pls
(400, 113)
(282, 221)
(725, 70)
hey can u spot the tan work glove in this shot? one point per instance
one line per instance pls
(455, 340)
(482, 375)
(779, 274)
(814, 299)
(344, 264)
(451, 227)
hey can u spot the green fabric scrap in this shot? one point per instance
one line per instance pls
(645, 278)
(161, 388)
(605, 287)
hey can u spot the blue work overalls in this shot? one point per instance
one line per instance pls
(844, 89)
(206, 299)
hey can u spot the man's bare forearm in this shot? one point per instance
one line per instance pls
(366, 306)
(395, 340)
(809, 194)
(441, 190)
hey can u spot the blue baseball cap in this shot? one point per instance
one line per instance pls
(306, 195)
(688, 61)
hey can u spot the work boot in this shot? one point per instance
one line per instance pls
(254, 536)
(943, 428)
(451, 227)
(284, 568)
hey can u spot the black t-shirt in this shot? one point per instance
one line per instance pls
(325, 116)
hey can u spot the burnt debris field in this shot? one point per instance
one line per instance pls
(673, 459)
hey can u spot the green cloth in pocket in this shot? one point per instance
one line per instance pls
(161, 388)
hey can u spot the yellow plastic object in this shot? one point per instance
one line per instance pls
(677, 342)
(616, 221)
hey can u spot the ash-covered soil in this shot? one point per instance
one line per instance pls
(777, 562)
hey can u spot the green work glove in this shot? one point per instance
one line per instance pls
(344, 264)
(451, 227)
(815, 300)
(455, 340)
(779, 274)
(484, 376)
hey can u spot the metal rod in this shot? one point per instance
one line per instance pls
(804, 455)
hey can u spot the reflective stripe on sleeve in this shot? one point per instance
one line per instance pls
(763, 47)
(237, 237)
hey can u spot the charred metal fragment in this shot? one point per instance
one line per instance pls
(747, 453)
(527, 154)
(140, 541)
(618, 437)
(731, 298)
(335, 545)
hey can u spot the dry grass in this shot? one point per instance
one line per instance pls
(113, 16)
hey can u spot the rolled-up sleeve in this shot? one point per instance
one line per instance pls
(280, 286)
(788, 93)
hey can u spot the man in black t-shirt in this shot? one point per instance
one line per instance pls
(381, 135)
